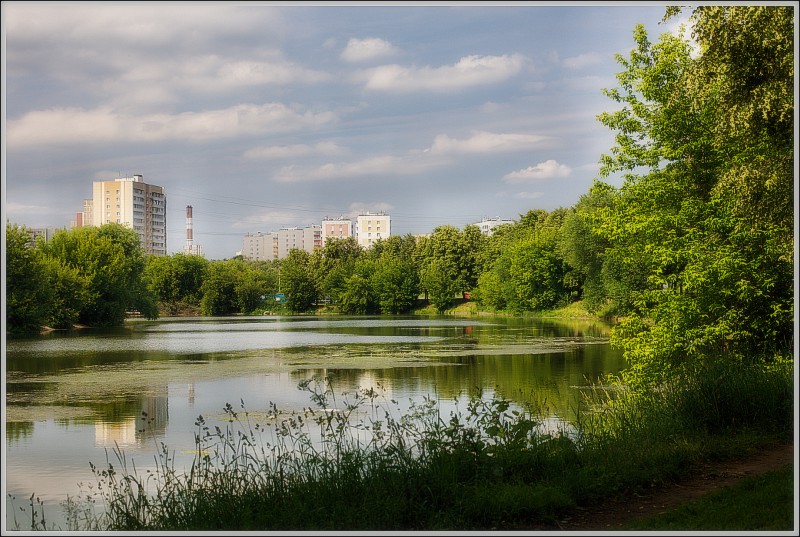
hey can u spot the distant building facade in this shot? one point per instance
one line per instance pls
(131, 202)
(371, 227)
(44, 233)
(487, 225)
(259, 246)
(277, 244)
(336, 228)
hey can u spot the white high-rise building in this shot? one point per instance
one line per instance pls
(371, 227)
(277, 244)
(487, 225)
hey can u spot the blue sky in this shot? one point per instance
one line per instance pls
(267, 115)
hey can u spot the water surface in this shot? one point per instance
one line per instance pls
(72, 397)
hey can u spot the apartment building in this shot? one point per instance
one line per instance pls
(336, 228)
(260, 246)
(45, 233)
(370, 227)
(487, 225)
(277, 244)
(131, 202)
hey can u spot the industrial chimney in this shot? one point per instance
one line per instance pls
(188, 227)
(191, 248)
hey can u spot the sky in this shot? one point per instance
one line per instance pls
(279, 114)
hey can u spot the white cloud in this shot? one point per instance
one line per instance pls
(583, 60)
(294, 151)
(485, 142)
(528, 195)
(151, 24)
(69, 126)
(166, 80)
(381, 165)
(359, 50)
(544, 170)
(468, 72)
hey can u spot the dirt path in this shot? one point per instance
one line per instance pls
(614, 515)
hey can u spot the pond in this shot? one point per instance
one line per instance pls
(71, 397)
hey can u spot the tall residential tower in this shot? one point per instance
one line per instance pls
(131, 202)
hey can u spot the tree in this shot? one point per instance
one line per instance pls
(219, 289)
(27, 294)
(583, 249)
(69, 293)
(395, 284)
(111, 261)
(707, 145)
(298, 281)
(439, 280)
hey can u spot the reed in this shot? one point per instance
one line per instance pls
(359, 462)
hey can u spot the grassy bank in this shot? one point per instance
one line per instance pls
(467, 308)
(760, 503)
(486, 466)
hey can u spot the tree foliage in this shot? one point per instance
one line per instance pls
(704, 214)
(27, 297)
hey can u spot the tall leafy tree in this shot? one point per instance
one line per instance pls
(583, 249)
(706, 144)
(395, 284)
(219, 289)
(358, 296)
(111, 261)
(298, 281)
(28, 294)
(439, 280)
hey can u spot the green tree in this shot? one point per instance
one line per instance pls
(439, 281)
(706, 143)
(219, 289)
(395, 284)
(111, 261)
(70, 292)
(298, 281)
(28, 294)
(583, 249)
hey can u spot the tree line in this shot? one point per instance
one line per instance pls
(694, 252)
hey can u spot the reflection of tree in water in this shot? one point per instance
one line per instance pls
(553, 383)
(16, 430)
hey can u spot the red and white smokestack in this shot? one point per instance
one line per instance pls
(189, 226)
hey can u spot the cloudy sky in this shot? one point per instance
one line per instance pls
(268, 115)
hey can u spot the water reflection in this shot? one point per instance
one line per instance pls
(72, 397)
(151, 422)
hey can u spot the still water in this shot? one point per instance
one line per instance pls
(71, 397)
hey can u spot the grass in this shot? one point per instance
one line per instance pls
(759, 503)
(358, 462)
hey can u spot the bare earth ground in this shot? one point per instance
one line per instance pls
(711, 477)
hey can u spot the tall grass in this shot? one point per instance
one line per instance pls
(358, 462)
